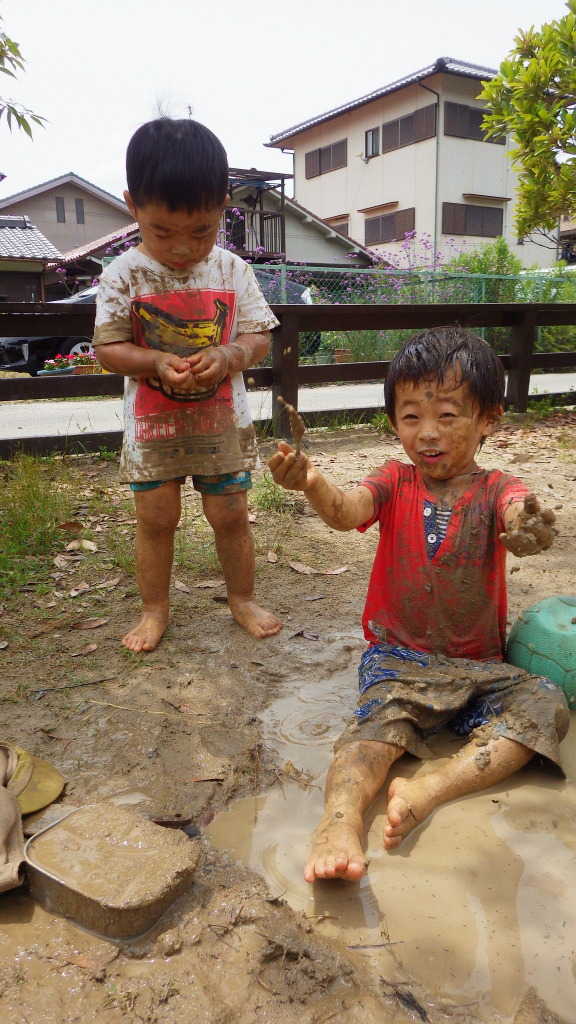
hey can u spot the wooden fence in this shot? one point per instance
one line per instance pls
(285, 375)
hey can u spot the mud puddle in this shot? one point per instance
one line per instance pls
(480, 901)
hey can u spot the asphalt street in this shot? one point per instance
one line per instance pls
(47, 418)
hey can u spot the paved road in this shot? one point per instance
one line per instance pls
(36, 419)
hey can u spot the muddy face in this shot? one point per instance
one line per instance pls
(440, 428)
(176, 238)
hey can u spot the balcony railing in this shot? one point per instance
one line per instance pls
(252, 232)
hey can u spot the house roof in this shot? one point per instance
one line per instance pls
(21, 240)
(64, 179)
(99, 243)
(444, 65)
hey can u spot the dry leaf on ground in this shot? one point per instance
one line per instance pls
(307, 570)
(108, 584)
(189, 709)
(182, 586)
(1, 609)
(253, 519)
(89, 545)
(74, 545)
(304, 633)
(72, 526)
(87, 650)
(90, 623)
(61, 562)
(80, 589)
(209, 583)
(3, 644)
(272, 557)
(207, 817)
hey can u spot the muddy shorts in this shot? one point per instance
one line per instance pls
(223, 483)
(406, 696)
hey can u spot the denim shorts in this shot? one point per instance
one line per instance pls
(407, 696)
(223, 483)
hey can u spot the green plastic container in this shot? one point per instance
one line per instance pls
(543, 641)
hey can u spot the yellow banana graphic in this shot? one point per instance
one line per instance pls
(168, 333)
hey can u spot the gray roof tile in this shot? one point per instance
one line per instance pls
(20, 239)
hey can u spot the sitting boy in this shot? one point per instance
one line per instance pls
(435, 615)
(181, 318)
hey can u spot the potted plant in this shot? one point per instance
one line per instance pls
(342, 355)
(55, 367)
(86, 363)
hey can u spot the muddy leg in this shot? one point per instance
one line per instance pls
(473, 769)
(158, 514)
(355, 776)
(228, 517)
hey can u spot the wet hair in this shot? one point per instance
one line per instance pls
(432, 354)
(180, 164)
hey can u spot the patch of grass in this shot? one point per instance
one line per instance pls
(269, 496)
(194, 546)
(121, 548)
(381, 422)
(36, 495)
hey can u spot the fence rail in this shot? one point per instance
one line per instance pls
(285, 375)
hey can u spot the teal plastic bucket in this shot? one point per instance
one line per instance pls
(543, 641)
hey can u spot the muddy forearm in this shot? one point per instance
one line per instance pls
(126, 358)
(247, 350)
(341, 510)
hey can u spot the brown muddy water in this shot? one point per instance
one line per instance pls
(479, 901)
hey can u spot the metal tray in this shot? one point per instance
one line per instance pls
(106, 920)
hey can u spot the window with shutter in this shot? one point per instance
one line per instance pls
(453, 219)
(79, 203)
(390, 136)
(404, 223)
(425, 123)
(464, 219)
(312, 163)
(492, 221)
(60, 211)
(387, 227)
(475, 118)
(372, 230)
(465, 123)
(474, 220)
(339, 155)
(325, 159)
(407, 130)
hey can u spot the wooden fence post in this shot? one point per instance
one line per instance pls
(521, 355)
(285, 343)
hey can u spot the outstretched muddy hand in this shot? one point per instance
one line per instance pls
(532, 531)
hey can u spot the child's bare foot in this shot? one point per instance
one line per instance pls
(409, 804)
(255, 619)
(337, 853)
(148, 631)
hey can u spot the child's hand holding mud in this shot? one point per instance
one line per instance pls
(292, 470)
(530, 529)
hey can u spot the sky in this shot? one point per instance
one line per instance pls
(96, 71)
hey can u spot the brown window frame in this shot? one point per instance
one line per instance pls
(60, 210)
(463, 122)
(389, 227)
(418, 126)
(464, 219)
(326, 159)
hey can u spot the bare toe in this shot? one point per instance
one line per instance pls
(337, 853)
(147, 633)
(256, 620)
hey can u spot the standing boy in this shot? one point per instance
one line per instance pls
(435, 615)
(181, 318)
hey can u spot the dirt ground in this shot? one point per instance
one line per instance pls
(182, 724)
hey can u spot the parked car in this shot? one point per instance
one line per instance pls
(28, 355)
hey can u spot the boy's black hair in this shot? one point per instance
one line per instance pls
(431, 354)
(180, 164)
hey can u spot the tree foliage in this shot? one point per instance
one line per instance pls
(11, 61)
(533, 99)
(491, 258)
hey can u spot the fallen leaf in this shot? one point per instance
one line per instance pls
(182, 586)
(189, 709)
(207, 817)
(317, 597)
(253, 519)
(59, 593)
(1, 609)
(108, 584)
(289, 769)
(74, 545)
(80, 589)
(304, 633)
(90, 623)
(209, 583)
(51, 604)
(307, 570)
(73, 526)
(87, 650)
(61, 562)
(3, 644)
(98, 529)
(89, 545)
(221, 598)
(272, 557)
(208, 778)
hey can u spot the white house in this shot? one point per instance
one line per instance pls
(411, 156)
